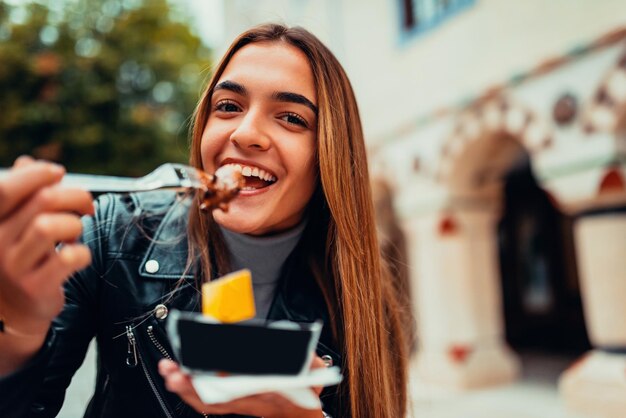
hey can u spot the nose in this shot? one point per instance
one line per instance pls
(250, 134)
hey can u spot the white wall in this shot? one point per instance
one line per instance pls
(396, 82)
(483, 45)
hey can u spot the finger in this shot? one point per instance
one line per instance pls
(42, 289)
(39, 295)
(179, 383)
(50, 199)
(23, 160)
(59, 266)
(24, 180)
(167, 367)
(69, 199)
(175, 380)
(40, 239)
(74, 257)
(317, 363)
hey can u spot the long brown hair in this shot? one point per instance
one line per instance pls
(347, 262)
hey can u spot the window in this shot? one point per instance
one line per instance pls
(419, 16)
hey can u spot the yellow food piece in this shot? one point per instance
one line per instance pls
(229, 298)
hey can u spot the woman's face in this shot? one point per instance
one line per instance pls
(264, 119)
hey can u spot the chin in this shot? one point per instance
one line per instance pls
(238, 224)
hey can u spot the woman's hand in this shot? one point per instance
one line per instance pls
(36, 214)
(266, 405)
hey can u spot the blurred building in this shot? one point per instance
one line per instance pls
(500, 127)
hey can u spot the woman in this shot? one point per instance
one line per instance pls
(279, 106)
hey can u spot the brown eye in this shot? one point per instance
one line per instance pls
(294, 119)
(226, 106)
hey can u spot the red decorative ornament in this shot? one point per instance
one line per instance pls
(448, 226)
(459, 353)
(612, 182)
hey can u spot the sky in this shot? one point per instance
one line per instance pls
(207, 18)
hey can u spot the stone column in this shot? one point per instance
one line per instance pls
(596, 385)
(455, 274)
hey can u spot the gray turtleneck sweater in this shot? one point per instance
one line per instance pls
(264, 257)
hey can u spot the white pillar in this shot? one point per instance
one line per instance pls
(596, 385)
(458, 299)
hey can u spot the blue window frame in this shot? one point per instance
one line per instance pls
(419, 16)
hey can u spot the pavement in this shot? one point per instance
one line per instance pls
(534, 395)
(81, 389)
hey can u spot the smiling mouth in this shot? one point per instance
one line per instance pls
(254, 177)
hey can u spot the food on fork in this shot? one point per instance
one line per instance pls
(220, 188)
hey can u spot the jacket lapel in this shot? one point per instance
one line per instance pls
(166, 257)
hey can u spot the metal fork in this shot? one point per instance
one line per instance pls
(167, 176)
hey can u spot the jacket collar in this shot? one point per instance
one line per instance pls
(166, 257)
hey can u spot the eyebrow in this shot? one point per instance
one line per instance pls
(231, 86)
(281, 96)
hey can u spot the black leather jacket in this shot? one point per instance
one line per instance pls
(114, 300)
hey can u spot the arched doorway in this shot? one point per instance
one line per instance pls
(461, 302)
(541, 293)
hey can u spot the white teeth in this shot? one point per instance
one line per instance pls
(252, 171)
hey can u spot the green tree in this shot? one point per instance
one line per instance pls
(101, 86)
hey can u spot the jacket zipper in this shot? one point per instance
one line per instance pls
(135, 358)
(162, 349)
(131, 354)
(157, 344)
